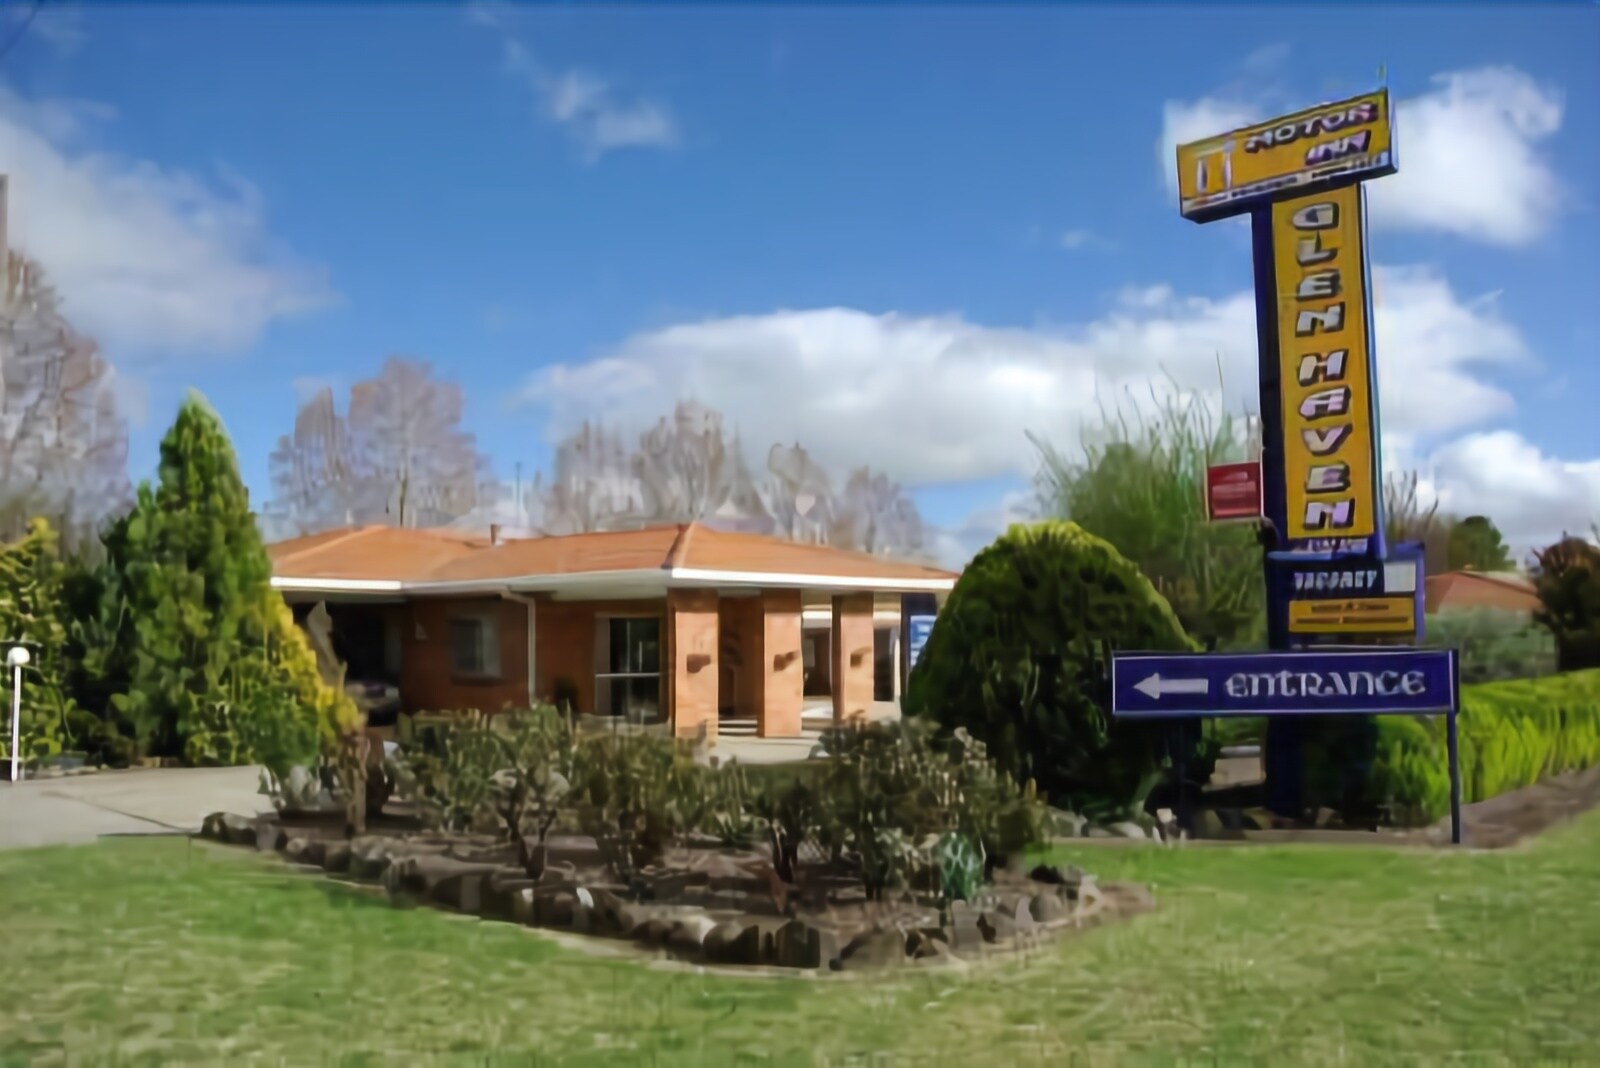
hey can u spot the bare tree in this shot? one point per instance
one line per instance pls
(688, 470)
(594, 485)
(1406, 518)
(63, 443)
(873, 515)
(798, 495)
(399, 457)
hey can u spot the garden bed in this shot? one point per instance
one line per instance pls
(701, 903)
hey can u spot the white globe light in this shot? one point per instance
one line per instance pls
(18, 656)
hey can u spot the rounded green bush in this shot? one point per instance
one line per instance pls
(1020, 656)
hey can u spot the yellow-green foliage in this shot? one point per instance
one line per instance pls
(1512, 734)
(336, 713)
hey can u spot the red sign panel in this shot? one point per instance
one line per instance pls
(1233, 492)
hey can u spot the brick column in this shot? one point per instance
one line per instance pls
(781, 663)
(692, 638)
(852, 649)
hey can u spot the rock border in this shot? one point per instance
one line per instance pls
(419, 869)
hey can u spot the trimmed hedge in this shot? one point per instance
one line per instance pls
(1018, 658)
(1512, 734)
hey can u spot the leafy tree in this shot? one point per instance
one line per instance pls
(1567, 579)
(31, 611)
(1476, 544)
(1141, 487)
(216, 671)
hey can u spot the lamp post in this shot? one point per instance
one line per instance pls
(17, 656)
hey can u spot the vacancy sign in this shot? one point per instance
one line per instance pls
(1233, 492)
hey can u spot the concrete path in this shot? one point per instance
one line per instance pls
(38, 812)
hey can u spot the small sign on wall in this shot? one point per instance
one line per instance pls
(920, 627)
(1233, 492)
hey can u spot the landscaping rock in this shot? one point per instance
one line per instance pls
(733, 943)
(965, 931)
(369, 857)
(1048, 908)
(555, 908)
(1208, 824)
(304, 851)
(238, 830)
(1070, 876)
(797, 944)
(688, 935)
(270, 835)
(1058, 823)
(653, 932)
(876, 947)
(927, 944)
(1128, 829)
(500, 891)
(336, 857)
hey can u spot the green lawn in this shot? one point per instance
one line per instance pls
(160, 951)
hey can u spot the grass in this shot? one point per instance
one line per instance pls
(162, 951)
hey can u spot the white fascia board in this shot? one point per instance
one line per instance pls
(690, 576)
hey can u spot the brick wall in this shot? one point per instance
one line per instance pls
(564, 640)
(692, 637)
(428, 682)
(852, 655)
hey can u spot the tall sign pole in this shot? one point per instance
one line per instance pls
(1298, 178)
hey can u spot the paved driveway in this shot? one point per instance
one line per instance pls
(146, 801)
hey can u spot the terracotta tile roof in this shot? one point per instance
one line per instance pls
(409, 555)
(1478, 589)
(372, 553)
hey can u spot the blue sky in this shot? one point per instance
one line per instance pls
(902, 235)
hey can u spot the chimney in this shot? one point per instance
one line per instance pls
(494, 533)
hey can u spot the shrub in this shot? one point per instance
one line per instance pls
(449, 771)
(1019, 658)
(1568, 582)
(889, 796)
(1494, 644)
(32, 611)
(637, 792)
(1141, 487)
(1512, 734)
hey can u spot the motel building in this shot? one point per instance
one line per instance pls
(685, 628)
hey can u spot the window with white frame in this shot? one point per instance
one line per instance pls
(627, 678)
(475, 645)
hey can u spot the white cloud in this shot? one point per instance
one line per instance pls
(1470, 163)
(940, 399)
(147, 259)
(954, 546)
(591, 110)
(1532, 497)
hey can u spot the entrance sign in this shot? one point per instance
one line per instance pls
(1362, 682)
(1350, 140)
(1325, 366)
(1233, 492)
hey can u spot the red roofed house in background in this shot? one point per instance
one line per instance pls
(681, 625)
(1458, 590)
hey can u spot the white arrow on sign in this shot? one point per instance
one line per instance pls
(1155, 686)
